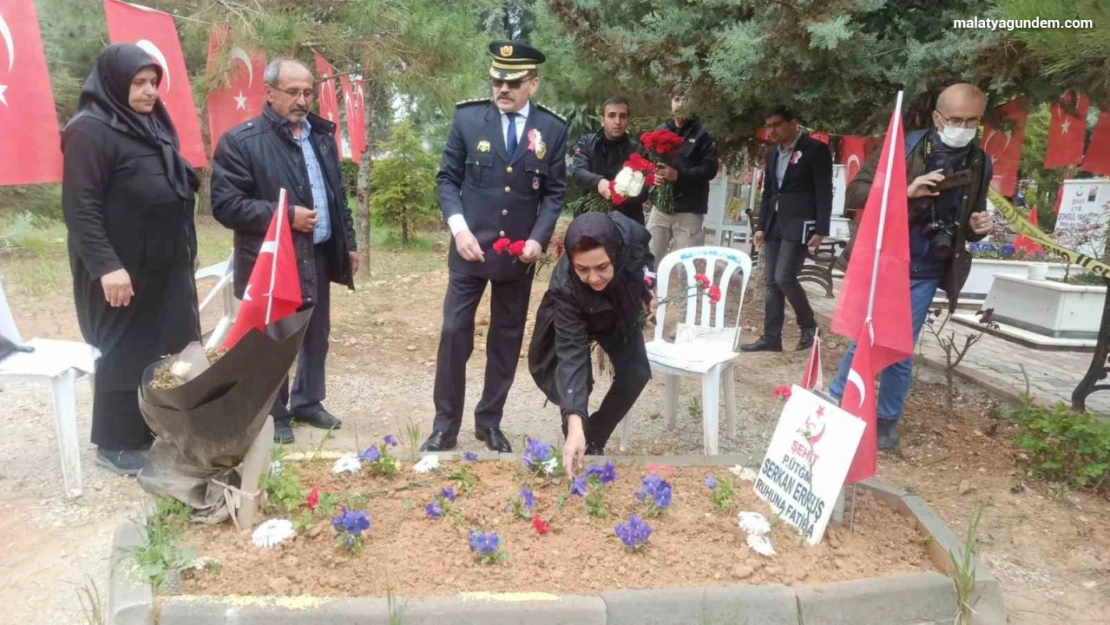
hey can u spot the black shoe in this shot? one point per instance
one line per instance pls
(120, 462)
(806, 340)
(283, 432)
(320, 419)
(438, 441)
(887, 432)
(764, 344)
(594, 450)
(494, 440)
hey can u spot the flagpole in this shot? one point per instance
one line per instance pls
(277, 246)
(897, 126)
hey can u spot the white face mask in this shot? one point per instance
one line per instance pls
(955, 137)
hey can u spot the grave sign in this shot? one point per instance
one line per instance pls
(807, 461)
(1082, 219)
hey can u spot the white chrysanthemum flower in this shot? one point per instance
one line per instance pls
(426, 464)
(550, 466)
(636, 185)
(275, 467)
(347, 464)
(181, 368)
(754, 523)
(744, 473)
(622, 181)
(761, 545)
(273, 532)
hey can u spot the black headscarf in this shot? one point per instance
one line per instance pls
(626, 291)
(105, 97)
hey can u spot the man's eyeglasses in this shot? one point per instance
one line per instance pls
(970, 122)
(513, 85)
(296, 93)
(774, 125)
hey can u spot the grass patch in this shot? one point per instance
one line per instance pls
(159, 557)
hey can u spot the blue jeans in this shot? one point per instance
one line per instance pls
(894, 383)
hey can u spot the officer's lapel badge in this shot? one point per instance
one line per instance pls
(536, 144)
(536, 183)
(483, 146)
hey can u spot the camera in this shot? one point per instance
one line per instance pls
(941, 235)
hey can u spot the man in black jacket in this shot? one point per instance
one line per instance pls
(692, 166)
(794, 214)
(289, 147)
(600, 156)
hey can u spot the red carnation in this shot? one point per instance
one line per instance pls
(516, 248)
(540, 525)
(313, 499)
(649, 180)
(702, 280)
(661, 142)
(636, 162)
(616, 198)
(500, 245)
(714, 294)
(781, 392)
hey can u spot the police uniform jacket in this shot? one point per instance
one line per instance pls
(516, 196)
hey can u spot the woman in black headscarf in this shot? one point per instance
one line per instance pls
(600, 291)
(127, 196)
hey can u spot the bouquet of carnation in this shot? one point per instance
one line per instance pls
(660, 146)
(636, 174)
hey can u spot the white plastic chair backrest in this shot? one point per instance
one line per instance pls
(7, 322)
(730, 260)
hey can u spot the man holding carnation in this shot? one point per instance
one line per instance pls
(692, 165)
(599, 157)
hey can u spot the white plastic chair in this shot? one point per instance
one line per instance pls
(226, 273)
(60, 363)
(703, 347)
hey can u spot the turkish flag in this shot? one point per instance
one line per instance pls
(355, 104)
(240, 94)
(274, 290)
(870, 144)
(1066, 132)
(813, 377)
(329, 100)
(823, 137)
(883, 334)
(852, 155)
(1060, 193)
(1025, 243)
(30, 145)
(154, 31)
(1004, 146)
(1097, 160)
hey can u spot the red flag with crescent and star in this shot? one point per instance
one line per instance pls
(154, 31)
(852, 155)
(356, 131)
(327, 96)
(1097, 160)
(274, 289)
(1066, 131)
(239, 95)
(30, 146)
(1004, 146)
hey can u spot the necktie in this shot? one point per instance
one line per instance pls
(510, 137)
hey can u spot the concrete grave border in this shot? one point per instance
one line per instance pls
(906, 599)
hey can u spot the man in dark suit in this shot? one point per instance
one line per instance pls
(502, 176)
(600, 156)
(794, 215)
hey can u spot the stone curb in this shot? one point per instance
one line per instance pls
(907, 599)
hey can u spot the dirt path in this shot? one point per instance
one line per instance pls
(1049, 550)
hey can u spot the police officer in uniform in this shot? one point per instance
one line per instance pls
(502, 175)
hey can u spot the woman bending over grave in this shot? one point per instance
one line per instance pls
(600, 291)
(127, 196)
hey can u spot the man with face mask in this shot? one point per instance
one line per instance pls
(950, 177)
(600, 156)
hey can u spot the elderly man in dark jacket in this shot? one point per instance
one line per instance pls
(943, 217)
(600, 156)
(289, 147)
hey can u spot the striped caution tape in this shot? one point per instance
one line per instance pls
(1021, 225)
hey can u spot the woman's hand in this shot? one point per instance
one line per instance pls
(653, 306)
(117, 288)
(574, 450)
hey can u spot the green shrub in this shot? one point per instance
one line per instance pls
(1065, 447)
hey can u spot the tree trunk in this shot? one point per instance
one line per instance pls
(204, 202)
(362, 214)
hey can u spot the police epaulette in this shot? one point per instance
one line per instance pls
(476, 101)
(542, 107)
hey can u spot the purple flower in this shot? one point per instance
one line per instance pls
(527, 498)
(351, 522)
(605, 475)
(433, 510)
(484, 543)
(389, 440)
(536, 452)
(1007, 250)
(634, 533)
(470, 456)
(711, 483)
(370, 454)
(659, 491)
(578, 487)
(448, 494)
